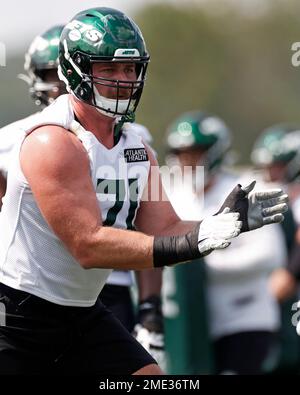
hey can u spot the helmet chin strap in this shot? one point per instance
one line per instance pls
(118, 126)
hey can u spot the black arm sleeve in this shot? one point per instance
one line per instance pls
(168, 250)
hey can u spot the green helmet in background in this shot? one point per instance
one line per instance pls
(102, 35)
(40, 59)
(279, 144)
(200, 130)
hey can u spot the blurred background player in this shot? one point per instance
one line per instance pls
(276, 154)
(41, 61)
(243, 315)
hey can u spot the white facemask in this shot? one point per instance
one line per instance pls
(111, 105)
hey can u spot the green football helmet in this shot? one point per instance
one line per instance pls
(40, 59)
(200, 130)
(279, 144)
(102, 35)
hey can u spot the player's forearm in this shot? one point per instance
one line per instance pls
(117, 249)
(127, 250)
(106, 247)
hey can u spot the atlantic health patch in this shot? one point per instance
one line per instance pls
(135, 155)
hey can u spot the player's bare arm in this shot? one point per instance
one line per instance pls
(57, 168)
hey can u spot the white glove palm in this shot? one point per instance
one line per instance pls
(216, 231)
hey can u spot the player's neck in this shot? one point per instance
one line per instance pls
(95, 122)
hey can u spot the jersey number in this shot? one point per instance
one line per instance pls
(117, 187)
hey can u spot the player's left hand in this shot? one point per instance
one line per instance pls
(149, 331)
(256, 209)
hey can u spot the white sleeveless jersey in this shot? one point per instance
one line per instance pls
(32, 257)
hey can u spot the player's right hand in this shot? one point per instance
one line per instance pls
(216, 231)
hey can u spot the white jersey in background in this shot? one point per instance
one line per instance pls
(237, 291)
(32, 258)
(8, 136)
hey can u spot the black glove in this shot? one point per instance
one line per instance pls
(257, 209)
(149, 330)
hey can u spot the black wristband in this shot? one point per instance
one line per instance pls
(168, 250)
